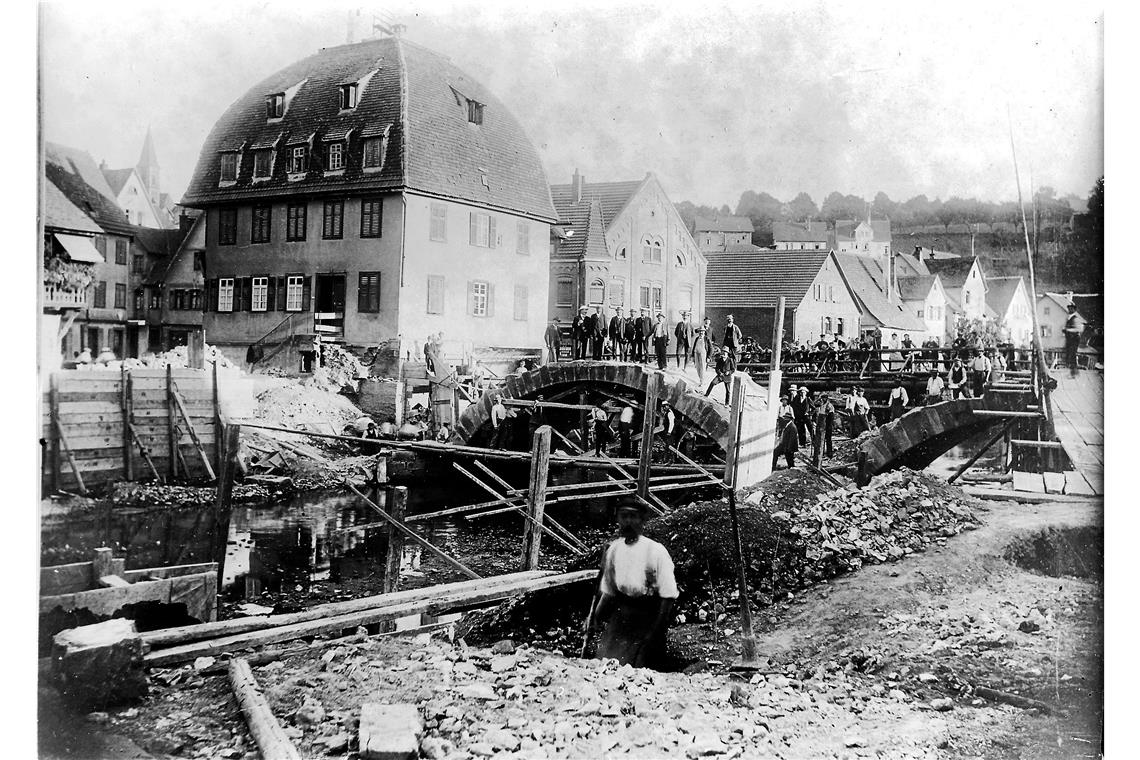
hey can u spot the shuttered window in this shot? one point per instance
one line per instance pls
(521, 297)
(434, 294)
(120, 295)
(229, 167)
(101, 294)
(368, 292)
(295, 221)
(262, 163)
(227, 226)
(371, 215)
(522, 239)
(373, 153)
(334, 220)
(438, 222)
(482, 230)
(565, 293)
(120, 251)
(260, 224)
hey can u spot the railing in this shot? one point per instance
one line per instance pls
(64, 297)
(862, 362)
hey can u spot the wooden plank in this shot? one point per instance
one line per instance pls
(194, 438)
(107, 601)
(65, 579)
(536, 497)
(398, 507)
(171, 571)
(267, 732)
(109, 397)
(70, 459)
(99, 384)
(53, 437)
(1054, 482)
(648, 421)
(1031, 482)
(1075, 484)
(1026, 497)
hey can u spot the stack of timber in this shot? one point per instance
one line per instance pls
(176, 645)
(99, 427)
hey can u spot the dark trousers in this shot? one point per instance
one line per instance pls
(553, 349)
(1072, 343)
(979, 383)
(626, 433)
(622, 350)
(601, 436)
(826, 424)
(682, 350)
(502, 432)
(643, 350)
(726, 379)
(579, 348)
(789, 457)
(805, 429)
(598, 342)
(661, 346)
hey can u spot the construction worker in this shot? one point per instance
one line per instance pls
(825, 420)
(602, 431)
(898, 400)
(1074, 326)
(638, 590)
(625, 430)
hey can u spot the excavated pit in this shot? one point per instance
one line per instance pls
(1061, 552)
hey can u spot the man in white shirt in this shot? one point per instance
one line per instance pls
(934, 388)
(980, 369)
(602, 430)
(638, 590)
(499, 423)
(625, 430)
(898, 400)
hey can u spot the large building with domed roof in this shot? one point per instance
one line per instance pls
(375, 194)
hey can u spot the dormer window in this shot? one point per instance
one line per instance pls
(275, 105)
(298, 155)
(262, 164)
(373, 153)
(348, 95)
(474, 111)
(334, 160)
(229, 167)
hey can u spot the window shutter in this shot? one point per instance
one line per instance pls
(306, 292)
(490, 299)
(470, 298)
(246, 294)
(236, 302)
(491, 232)
(271, 295)
(281, 293)
(474, 227)
(212, 294)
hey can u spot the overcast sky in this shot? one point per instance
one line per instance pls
(906, 98)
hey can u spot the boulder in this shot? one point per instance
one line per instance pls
(389, 732)
(100, 665)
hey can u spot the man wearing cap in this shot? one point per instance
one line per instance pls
(732, 341)
(617, 330)
(722, 365)
(661, 341)
(602, 430)
(643, 331)
(638, 590)
(685, 334)
(553, 339)
(579, 334)
(597, 329)
(625, 430)
(702, 347)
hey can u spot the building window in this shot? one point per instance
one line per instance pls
(297, 156)
(226, 294)
(101, 247)
(596, 294)
(120, 251)
(199, 261)
(136, 264)
(196, 299)
(438, 229)
(177, 298)
(1046, 331)
(521, 296)
(139, 300)
(826, 325)
(967, 294)
(229, 167)
(120, 295)
(474, 112)
(1047, 311)
(622, 253)
(657, 302)
(920, 313)
(371, 215)
(373, 153)
(155, 298)
(816, 291)
(522, 238)
(260, 222)
(101, 294)
(679, 261)
(335, 157)
(334, 220)
(227, 226)
(831, 293)
(262, 163)
(643, 296)
(295, 220)
(651, 251)
(482, 230)
(294, 285)
(348, 93)
(480, 299)
(368, 293)
(839, 325)
(275, 105)
(260, 299)
(565, 292)
(617, 292)
(434, 294)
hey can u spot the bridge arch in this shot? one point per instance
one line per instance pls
(702, 413)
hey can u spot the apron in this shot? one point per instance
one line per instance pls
(897, 407)
(628, 625)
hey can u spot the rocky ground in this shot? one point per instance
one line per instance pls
(888, 661)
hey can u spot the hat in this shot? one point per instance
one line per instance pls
(583, 308)
(793, 387)
(630, 503)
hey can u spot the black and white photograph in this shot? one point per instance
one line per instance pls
(526, 381)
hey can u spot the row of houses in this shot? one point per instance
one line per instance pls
(373, 194)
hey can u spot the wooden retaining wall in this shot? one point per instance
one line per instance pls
(103, 416)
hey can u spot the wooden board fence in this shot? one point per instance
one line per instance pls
(104, 416)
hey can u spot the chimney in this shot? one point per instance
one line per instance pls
(918, 253)
(103, 164)
(576, 185)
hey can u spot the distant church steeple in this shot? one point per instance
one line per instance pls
(147, 168)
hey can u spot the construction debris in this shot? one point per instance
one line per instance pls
(100, 665)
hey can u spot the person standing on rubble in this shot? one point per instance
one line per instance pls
(637, 593)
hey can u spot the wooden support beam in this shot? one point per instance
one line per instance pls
(125, 412)
(224, 493)
(536, 498)
(217, 417)
(997, 413)
(416, 537)
(978, 454)
(648, 421)
(398, 508)
(573, 446)
(548, 520)
(53, 413)
(1036, 444)
(272, 742)
(171, 434)
(546, 404)
(145, 452)
(193, 433)
(70, 458)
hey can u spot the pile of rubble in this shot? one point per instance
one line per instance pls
(176, 357)
(339, 369)
(151, 494)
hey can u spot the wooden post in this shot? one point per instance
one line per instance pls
(735, 420)
(53, 412)
(584, 420)
(171, 434)
(223, 501)
(217, 420)
(268, 734)
(862, 477)
(195, 350)
(380, 474)
(398, 509)
(102, 564)
(985, 447)
(1008, 458)
(648, 423)
(817, 444)
(536, 497)
(125, 410)
(778, 334)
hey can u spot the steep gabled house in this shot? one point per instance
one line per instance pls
(965, 286)
(818, 298)
(807, 236)
(107, 319)
(628, 247)
(133, 197)
(870, 237)
(926, 299)
(160, 305)
(1008, 298)
(882, 311)
(724, 233)
(373, 194)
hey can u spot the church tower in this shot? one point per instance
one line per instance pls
(147, 168)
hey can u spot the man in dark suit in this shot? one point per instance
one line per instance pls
(644, 336)
(553, 341)
(597, 327)
(618, 324)
(661, 341)
(732, 341)
(685, 334)
(579, 334)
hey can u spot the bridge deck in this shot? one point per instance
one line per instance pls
(1078, 408)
